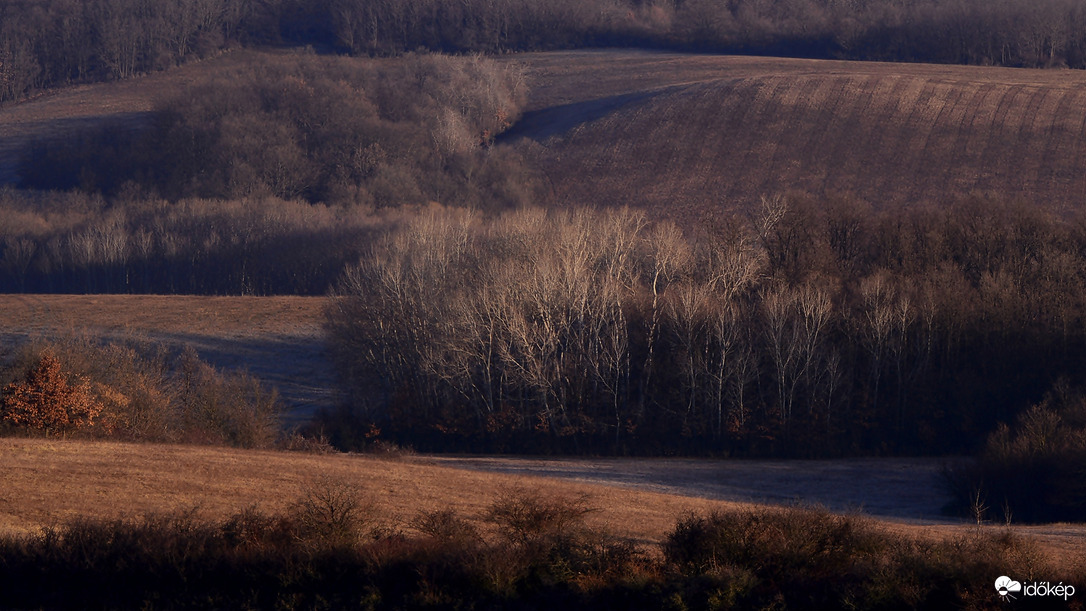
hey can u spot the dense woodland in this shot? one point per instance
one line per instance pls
(803, 328)
(267, 182)
(49, 43)
(298, 126)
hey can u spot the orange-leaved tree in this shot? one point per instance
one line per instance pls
(45, 400)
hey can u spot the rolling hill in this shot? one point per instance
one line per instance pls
(49, 481)
(680, 133)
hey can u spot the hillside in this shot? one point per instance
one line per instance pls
(693, 131)
(684, 133)
(49, 481)
(69, 108)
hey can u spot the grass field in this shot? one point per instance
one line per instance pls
(49, 481)
(46, 481)
(277, 339)
(680, 134)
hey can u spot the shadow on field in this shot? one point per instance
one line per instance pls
(296, 367)
(539, 125)
(903, 489)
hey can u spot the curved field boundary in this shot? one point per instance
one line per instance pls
(714, 129)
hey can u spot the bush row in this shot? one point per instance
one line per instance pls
(539, 554)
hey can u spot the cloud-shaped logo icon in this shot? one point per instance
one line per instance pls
(1005, 586)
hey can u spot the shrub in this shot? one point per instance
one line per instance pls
(231, 408)
(445, 526)
(530, 519)
(331, 512)
(46, 401)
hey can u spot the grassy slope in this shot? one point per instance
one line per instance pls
(48, 481)
(682, 133)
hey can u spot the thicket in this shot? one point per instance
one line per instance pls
(337, 130)
(1031, 470)
(47, 43)
(803, 328)
(741, 559)
(86, 387)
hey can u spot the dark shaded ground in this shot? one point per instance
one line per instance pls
(902, 489)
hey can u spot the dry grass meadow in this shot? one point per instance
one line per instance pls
(47, 481)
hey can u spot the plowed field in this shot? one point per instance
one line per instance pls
(682, 133)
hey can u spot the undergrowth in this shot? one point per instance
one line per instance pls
(528, 552)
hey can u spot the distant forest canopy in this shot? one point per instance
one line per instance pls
(49, 43)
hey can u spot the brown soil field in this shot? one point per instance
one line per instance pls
(277, 339)
(682, 134)
(45, 482)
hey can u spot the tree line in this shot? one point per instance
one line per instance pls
(50, 43)
(54, 242)
(806, 327)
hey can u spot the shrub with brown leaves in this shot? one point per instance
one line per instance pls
(46, 401)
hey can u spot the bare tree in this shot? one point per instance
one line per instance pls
(667, 255)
